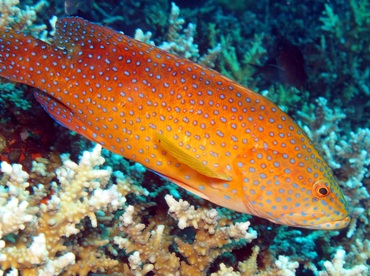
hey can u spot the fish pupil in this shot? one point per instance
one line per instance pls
(323, 191)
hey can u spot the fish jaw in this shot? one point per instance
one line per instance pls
(332, 225)
(310, 221)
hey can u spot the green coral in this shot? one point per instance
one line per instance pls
(288, 98)
(346, 35)
(13, 95)
(236, 68)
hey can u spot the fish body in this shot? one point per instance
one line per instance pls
(190, 124)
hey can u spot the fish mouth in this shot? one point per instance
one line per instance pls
(332, 225)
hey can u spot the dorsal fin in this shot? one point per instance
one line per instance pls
(189, 160)
(75, 32)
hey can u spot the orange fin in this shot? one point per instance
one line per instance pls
(60, 112)
(63, 115)
(73, 33)
(187, 187)
(190, 161)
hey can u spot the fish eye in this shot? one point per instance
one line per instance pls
(323, 191)
(320, 189)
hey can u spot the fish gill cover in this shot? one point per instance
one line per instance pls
(120, 213)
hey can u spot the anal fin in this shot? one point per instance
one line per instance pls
(63, 114)
(57, 110)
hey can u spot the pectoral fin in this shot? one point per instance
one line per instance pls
(189, 160)
(63, 115)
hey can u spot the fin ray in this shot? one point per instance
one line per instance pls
(69, 29)
(63, 115)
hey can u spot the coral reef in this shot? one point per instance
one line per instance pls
(335, 268)
(150, 247)
(80, 224)
(22, 19)
(80, 192)
(181, 42)
(349, 33)
(63, 226)
(13, 95)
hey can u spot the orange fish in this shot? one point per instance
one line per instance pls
(190, 124)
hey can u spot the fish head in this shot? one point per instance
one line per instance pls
(300, 192)
(328, 209)
(322, 207)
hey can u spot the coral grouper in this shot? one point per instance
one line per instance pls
(188, 123)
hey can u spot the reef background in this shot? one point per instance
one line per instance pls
(129, 220)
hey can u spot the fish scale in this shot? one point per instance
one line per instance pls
(188, 123)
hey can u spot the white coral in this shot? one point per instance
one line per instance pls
(35, 254)
(108, 199)
(335, 267)
(285, 266)
(15, 212)
(13, 16)
(127, 217)
(14, 216)
(240, 230)
(80, 193)
(55, 267)
(17, 180)
(188, 216)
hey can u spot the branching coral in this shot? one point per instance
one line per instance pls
(150, 245)
(180, 41)
(335, 267)
(181, 44)
(344, 44)
(22, 20)
(210, 240)
(41, 244)
(281, 267)
(15, 211)
(240, 69)
(62, 234)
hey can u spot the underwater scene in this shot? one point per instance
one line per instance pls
(184, 137)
